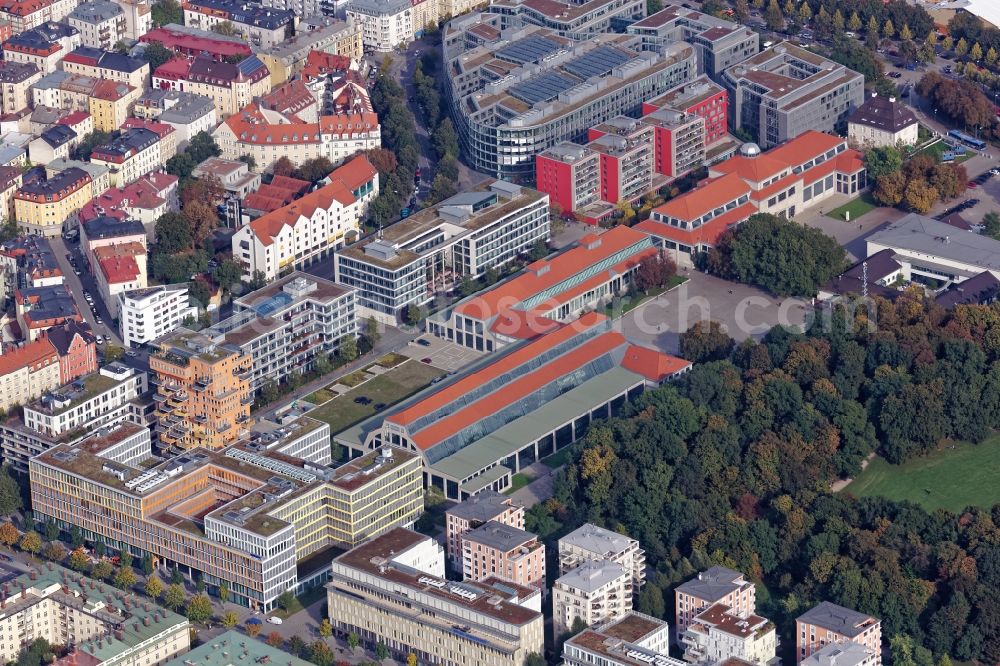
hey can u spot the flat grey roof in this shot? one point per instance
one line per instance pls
(483, 506)
(499, 536)
(713, 584)
(917, 233)
(843, 621)
(598, 540)
(845, 653)
(592, 575)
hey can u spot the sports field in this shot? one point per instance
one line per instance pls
(948, 479)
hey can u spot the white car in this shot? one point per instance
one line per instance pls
(274, 620)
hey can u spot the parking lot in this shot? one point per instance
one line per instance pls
(439, 353)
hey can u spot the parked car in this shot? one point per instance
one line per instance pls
(423, 342)
(274, 620)
(362, 400)
(972, 185)
(426, 359)
(131, 353)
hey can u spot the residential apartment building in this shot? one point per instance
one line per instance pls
(625, 147)
(138, 17)
(243, 517)
(717, 634)
(108, 66)
(321, 34)
(52, 144)
(203, 391)
(593, 593)
(634, 640)
(386, 24)
(828, 623)
(11, 180)
(188, 113)
(720, 43)
(844, 653)
(575, 20)
(40, 308)
(60, 606)
(143, 200)
(286, 325)
(475, 511)
(391, 590)
(190, 42)
(590, 543)
(147, 314)
(27, 372)
(795, 176)
(497, 550)
(717, 585)
(679, 141)
(429, 252)
(570, 174)
(489, 422)
(107, 232)
(77, 349)
(107, 102)
(166, 134)
(49, 207)
(311, 227)
(235, 175)
(16, 79)
(523, 90)
(43, 46)
(700, 97)
(268, 135)
(24, 15)
(135, 153)
(101, 23)
(28, 261)
(882, 121)
(230, 86)
(119, 268)
(585, 276)
(262, 27)
(784, 91)
(99, 402)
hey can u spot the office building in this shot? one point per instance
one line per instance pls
(98, 624)
(477, 429)
(261, 27)
(717, 585)
(717, 634)
(285, 326)
(592, 593)
(267, 135)
(574, 20)
(785, 91)
(311, 227)
(231, 86)
(409, 262)
(40, 308)
(522, 90)
(203, 391)
(147, 314)
(930, 250)
(244, 516)
(720, 43)
(882, 121)
(391, 590)
(326, 35)
(829, 623)
(16, 79)
(843, 653)
(547, 292)
(634, 640)
(101, 23)
(475, 511)
(135, 153)
(497, 550)
(797, 175)
(590, 543)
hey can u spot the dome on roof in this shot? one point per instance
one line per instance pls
(750, 150)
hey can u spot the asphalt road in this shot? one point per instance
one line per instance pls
(79, 284)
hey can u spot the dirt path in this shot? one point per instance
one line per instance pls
(840, 484)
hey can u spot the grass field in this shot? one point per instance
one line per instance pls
(353, 379)
(518, 481)
(557, 459)
(950, 479)
(388, 388)
(391, 360)
(856, 208)
(320, 396)
(936, 149)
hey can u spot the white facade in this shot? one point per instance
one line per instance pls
(147, 314)
(718, 634)
(873, 137)
(590, 542)
(138, 17)
(101, 23)
(595, 591)
(603, 645)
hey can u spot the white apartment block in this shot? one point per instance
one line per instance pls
(716, 585)
(135, 153)
(718, 634)
(843, 653)
(595, 591)
(386, 24)
(634, 640)
(101, 23)
(61, 606)
(284, 326)
(293, 434)
(138, 17)
(146, 314)
(590, 542)
(391, 590)
(311, 227)
(412, 260)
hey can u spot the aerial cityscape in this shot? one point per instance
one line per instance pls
(500, 333)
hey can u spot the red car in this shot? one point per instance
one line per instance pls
(972, 185)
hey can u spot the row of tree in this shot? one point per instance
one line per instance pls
(444, 139)
(960, 100)
(916, 184)
(969, 28)
(732, 465)
(397, 160)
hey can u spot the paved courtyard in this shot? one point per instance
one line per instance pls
(443, 355)
(743, 310)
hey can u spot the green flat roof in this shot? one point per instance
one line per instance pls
(517, 434)
(232, 648)
(485, 479)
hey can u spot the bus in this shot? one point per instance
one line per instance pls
(966, 139)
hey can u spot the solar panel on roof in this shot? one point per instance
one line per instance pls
(250, 65)
(542, 88)
(596, 62)
(529, 49)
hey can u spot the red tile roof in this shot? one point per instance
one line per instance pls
(119, 269)
(319, 63)
(73, 118)
(32, 355)
(268, 226)
(290, 97)
(652, 364)
(704, 199)
(282, 190)
(160, 129)
(522, 325)
(706, 234)
(252, 126)
(804, 147)
(754, 169)
(192, 44)
(355, 173)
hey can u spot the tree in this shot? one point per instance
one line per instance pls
(285, 600)
(54, 551)
(202, 220)
(905, 34)
(991, 222)
(742, 10)
(991, 57)
(224, 592)
(854, 23)
(275, 640)
(888, 29)
(872, 28)
(167, 11)
(650, 601)
(805, 12)
(315, 169)
(176, 577)
(442, 188)
(199, 608)
(466, 287)
(321, 654)
(156, 54)
(154, 587)
(230, 619)
(325, 628)
(9, 534)
(413, 314)
(352, 641)
(78, 560)
(411, 659)
(296, 646)
(249, 160)
(198, 290)
(889, 189)
(883, 160)
(146, 564)
(125, 578)
(102, 570)
(113, 353)
(838, 22)
(789, 9)
(445, 139)
(173, 233)
(976, 52)
(920, 195)
(174, 597)
(705, 341)
(534, 659)
(227, 274)
(10, 493)
(253, 629)
(51, 530)
(962, 47)
(225, 28)
(948, 43)
(283, 167)
(539, 250)
(381, 651)
(347, 351)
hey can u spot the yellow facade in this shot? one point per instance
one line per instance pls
(137, 79)
(109, 114)
(37, 215)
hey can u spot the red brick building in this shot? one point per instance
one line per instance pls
(77, 350)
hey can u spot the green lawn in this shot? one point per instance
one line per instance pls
(856, 207)
(391, 360)
(940, 147)
(300, 602)
(320, 396)
(557, 459)
(353, 379)
(388, 388)
(949, 479)
(518, 481)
